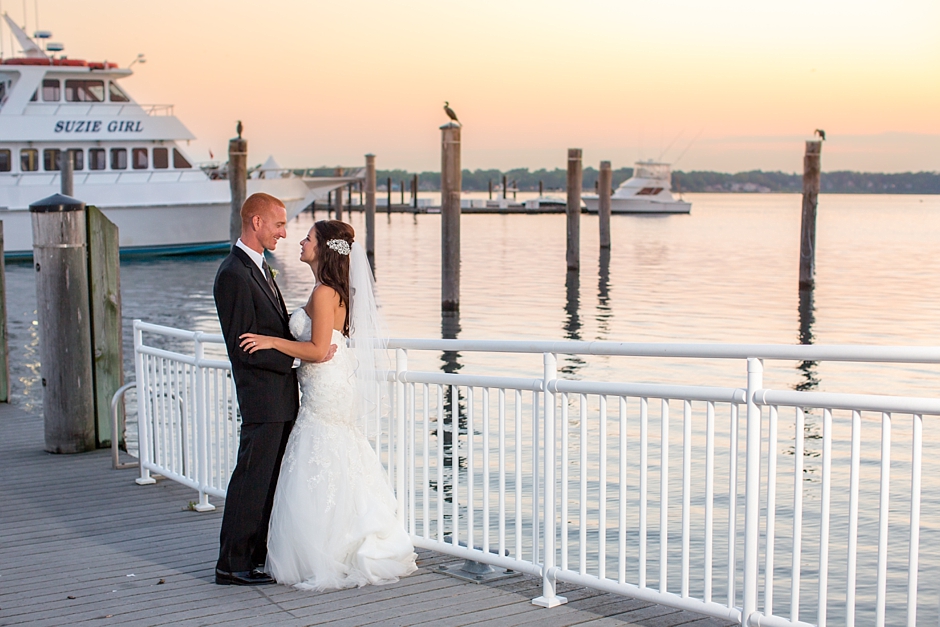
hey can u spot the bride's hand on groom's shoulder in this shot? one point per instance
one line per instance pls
(252, 342)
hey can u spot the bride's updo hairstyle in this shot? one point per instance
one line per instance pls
(332, 265)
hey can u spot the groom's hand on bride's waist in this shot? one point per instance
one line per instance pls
(329, 354)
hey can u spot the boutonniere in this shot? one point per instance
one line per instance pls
(274, 273)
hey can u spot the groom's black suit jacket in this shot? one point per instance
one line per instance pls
(265, 381)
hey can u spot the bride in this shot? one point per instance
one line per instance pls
(333, 524)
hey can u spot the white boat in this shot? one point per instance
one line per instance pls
(647, 191)
(130, 159)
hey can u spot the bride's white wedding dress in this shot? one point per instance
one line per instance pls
(333, 524)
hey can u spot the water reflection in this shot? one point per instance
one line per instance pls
(604, 312)
(572, 327)
(454, 404)
(810, 378)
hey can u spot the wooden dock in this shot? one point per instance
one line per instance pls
(81, 544)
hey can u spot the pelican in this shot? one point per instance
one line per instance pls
(450, 112)
(821, 133)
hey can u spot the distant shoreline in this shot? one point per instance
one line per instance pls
(755, 181)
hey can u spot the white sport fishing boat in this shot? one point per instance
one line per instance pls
(647, 191)
(129, 158)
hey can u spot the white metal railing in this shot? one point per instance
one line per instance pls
(593, 483)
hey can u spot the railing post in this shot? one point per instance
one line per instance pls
(143, 400)
(549, 598)
(752, 451)
(401, 366)
(202, 447)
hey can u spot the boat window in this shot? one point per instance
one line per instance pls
(161, 158)
(119, 158)
(649, 191)
(29, 160)
(35, 96)
(115, 94)
(84, 91)
(6, 160)
(51, 159)
(3, 92)
(140, 158)
(51, 90)
(96, 159)
(179, 161)
(78, 159)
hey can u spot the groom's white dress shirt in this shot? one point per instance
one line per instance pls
(258, 258)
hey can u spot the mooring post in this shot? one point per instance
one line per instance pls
(490, 183)
(450, 217)
(811, 173)
(388, 191)
(504, 186)
(238, 181)
(370, 210)
(338, 199)
(573, 252)
(414, 188)
(4, 342)
(515, 188)
(66, 173)
(540, 189)
(603, 204)
(59, 255)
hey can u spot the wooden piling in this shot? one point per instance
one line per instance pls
(329, 205)
(338, 198)
(59, 249)
(388, 192)
(490, 183)
(238, 182)
(603, 203)
(504, 186)
(414, 188)
(66, 173)
(104, 280)
(515, 188)
(573, 250)
(450, 217)
(4, 341)
(540, 189)
(811, 172)
(370, 209)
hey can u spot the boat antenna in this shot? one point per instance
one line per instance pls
(666, 149)
(682, 154)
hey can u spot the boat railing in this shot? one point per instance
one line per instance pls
(102, 108)
(738, 501)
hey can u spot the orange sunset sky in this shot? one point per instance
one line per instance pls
(727, 85)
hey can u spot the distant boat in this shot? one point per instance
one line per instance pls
(129, 158)
(647, 191)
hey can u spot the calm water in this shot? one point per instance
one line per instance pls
(726, 273)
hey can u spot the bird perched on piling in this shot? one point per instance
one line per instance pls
(238, 129)
(821, 133)
(450, 112)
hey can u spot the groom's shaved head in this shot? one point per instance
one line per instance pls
(258, 204)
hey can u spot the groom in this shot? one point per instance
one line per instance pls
(249, 301)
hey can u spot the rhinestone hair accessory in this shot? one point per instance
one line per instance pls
(339, 245)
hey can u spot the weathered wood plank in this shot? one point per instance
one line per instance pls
(4, 346)
(104, 285)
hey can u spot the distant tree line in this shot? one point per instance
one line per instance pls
(842, 182)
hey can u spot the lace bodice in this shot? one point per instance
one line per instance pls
(328, 388)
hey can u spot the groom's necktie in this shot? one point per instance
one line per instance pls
(269, 277)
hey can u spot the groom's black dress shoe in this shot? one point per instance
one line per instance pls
(255, 577)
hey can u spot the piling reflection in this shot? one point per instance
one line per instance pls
(454, 404)
(809, 380)
(604, 312)
(572, 327)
